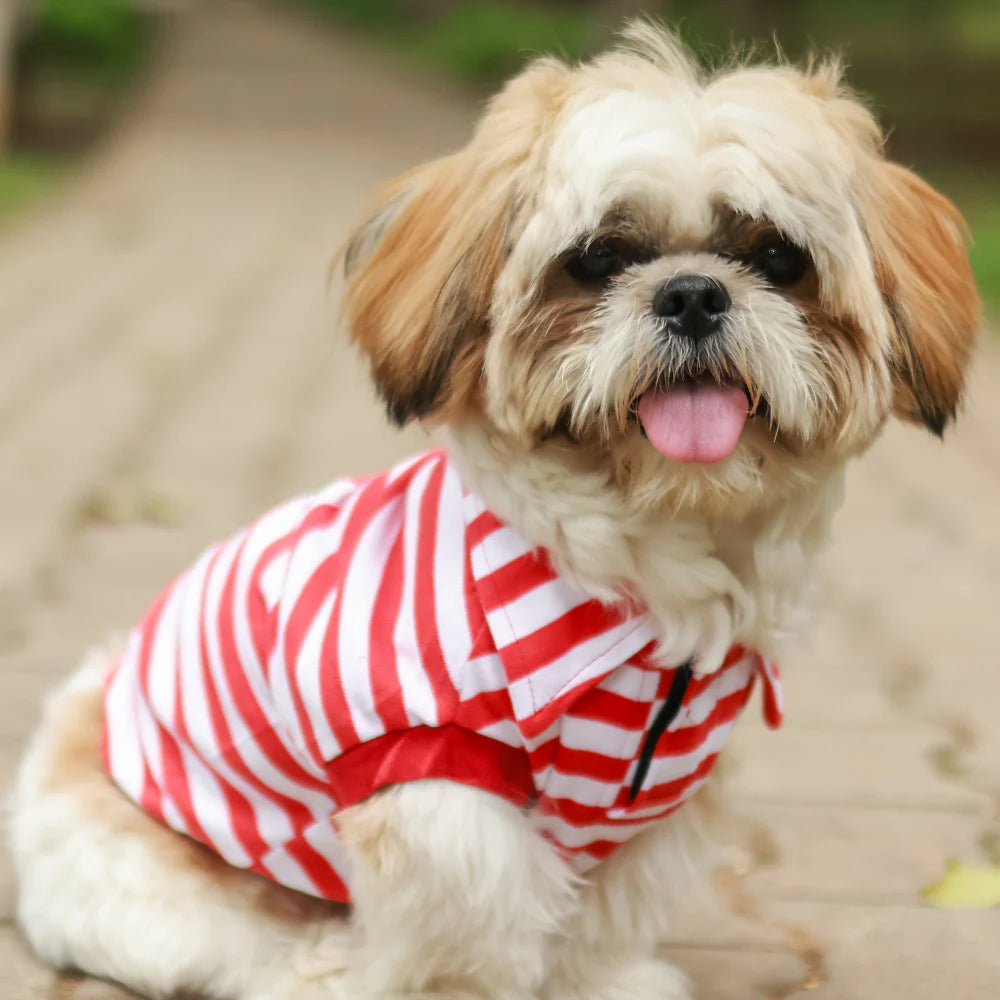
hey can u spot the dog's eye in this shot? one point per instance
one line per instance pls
(596, 263)
(781, 263)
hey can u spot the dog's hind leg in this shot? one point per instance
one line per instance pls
(107, 890)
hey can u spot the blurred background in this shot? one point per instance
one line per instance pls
(931, 70)
(175, 176)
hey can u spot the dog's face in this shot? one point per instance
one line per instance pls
(711, 288)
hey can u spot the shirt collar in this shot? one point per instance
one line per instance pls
(554, 640)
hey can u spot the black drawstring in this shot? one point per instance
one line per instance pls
(666, 715)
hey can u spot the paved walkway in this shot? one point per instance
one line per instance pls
(168, 368)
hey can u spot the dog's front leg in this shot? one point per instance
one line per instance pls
(607, 951)
(455, 893)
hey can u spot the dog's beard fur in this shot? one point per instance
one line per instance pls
(459, 292)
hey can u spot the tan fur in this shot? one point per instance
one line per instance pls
(917, 236)
(418, 304)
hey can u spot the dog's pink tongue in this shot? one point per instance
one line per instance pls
(694, 421)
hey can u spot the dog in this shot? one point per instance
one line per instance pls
(439, 732)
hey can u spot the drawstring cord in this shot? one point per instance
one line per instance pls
(667, 713)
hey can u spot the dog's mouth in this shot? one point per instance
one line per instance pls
(697, 420)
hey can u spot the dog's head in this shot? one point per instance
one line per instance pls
(707, 284)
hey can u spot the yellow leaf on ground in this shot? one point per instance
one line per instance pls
(964, 887)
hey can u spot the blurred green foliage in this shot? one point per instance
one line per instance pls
(71, 62)
(24, 178)
(479, 41)
(103, 38)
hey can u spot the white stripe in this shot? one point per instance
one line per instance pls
(503, 731)
(289, 872)
(308, 678)
(209, 805)
(418, 695)
(272, 578)
(632, 682)
(151, 708)
(360, 586)
(124, 749)
(583, 790)
(773, 681)
(537, 608)
(322, 837)
(604, 738)
(732, 679)
(332, 495)
(450, 612)
(580, 664)
(472, 506)
(498, 548)
(483, 673)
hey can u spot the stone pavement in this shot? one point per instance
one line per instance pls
(169, 367)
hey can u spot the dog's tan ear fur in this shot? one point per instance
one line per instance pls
(917, 237)
(421, 270)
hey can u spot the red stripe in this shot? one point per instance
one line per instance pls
(304, 609)
(151, 796)
(484, 709)
(613, 709)
(386, 688)
(527, 655)
(322, 875)
(482, 638)
(516, 578)
(336, 709)
(425, 599)
(581, 816)
(481, 526)
(239, 809)
(263, 621)
(176, 784)
(590, 764)
(253, 716)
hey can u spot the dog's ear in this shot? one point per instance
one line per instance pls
(419, 276)
(917, 239)
(421, 270)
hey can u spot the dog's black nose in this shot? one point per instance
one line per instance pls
(692, 304)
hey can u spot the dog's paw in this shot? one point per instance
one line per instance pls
(643, 979)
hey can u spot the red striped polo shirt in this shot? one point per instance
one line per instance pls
(387, 630)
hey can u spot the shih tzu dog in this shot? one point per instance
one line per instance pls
(438, 732)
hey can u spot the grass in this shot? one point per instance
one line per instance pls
(976, 195)
(480, 42)
(986, 255)
(24, 178)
